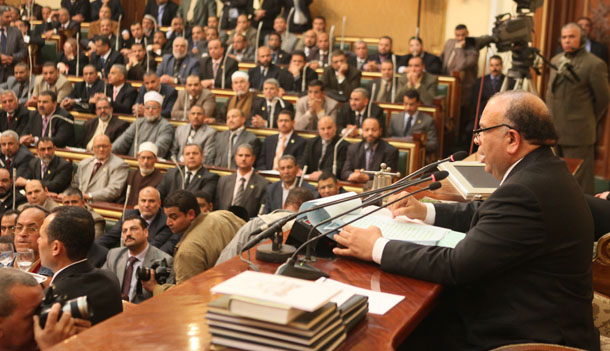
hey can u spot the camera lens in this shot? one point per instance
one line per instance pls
(78, 308)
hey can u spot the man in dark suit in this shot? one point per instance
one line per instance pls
(63, 25)
(522, 258)
(492, 83)
(149, 208)
(79, 10)
(162, 10)
(6, 192)
(384, 88)
(192, 177)
(596, 48)
(278, 56)
(111, 125)
(368, 154)
(319, 152)
(211, 67)
(296, 68)
(14, 155)
(137, 62)
(176, 67)
(384, 53)
(20, 82)
(104, 56)
(54, 172)
(278, 191)
(265, 70)
(49, 120)
(432, 63)
(265, 111)
(13, 116)
(340, 78)
(66, 236)
(309, 46)
(411, 121)
(121, 94)
(153, 83)
(286, 142)
(13, 49)
(352, 115)
(82, 98)
(244, 188)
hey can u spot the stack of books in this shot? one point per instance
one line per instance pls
(258, 311)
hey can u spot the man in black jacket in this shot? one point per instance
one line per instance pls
(54, 172)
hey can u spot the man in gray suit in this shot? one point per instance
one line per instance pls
(227, 141)
(124, 261)
(417, 79)
(196, 132)
(12, 47)
(247, 191)
(20, 82)
(103, 176)
(412, 121)
(196, 95)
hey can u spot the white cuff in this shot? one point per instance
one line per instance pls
(430, 214)
(378, 249)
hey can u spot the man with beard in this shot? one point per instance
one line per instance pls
(197, 96)
(50, 80)
(265, 69)
(54, 172)
(14, 155)
(153, 83)
(6, 192)
(196, 132)
(278, 55)
(243, 100)
(176, 67)
(241, 51)
(368, 154)
(152, 128)
(49, 120)
(105, 123)
(384, 53)
(13, 116)
(214, 66)
(82, 98)
(136, 64)
(20, 82)
(146, 175)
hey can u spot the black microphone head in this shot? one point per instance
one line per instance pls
(458, 156)
(434, 185)
(439, 175)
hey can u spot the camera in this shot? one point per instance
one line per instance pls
(162, 272)
(78, 307)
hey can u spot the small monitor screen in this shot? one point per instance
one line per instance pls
(477, 177)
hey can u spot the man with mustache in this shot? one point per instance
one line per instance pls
(54, 172)
(244, 99)
(105, 123)
(6, 192)
(176, 66)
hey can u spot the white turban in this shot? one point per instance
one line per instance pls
(153, 96)
(148, 146)
(240, 74)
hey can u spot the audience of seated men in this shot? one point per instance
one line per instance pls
(66, 237)
(265, 69)
(104, 55)
(13, 116)
(244, 99)
(195, 132)
(368, 154)
(144, 176)
(340, 78)
(416, 78)
(411, 121)
(125, 261)
(50, 80)
(175, 67)
(54, 172)
(319, 153)
(226, 142)
(277, 192)
(265, 111)
(49, 120)
(278, 55)
(204, 235)
(139, 62)
(197, 96)
(82, 98)
(103, 176)
(105, 123)
(20, 82)
(36, 195)
(240, 50)
(152, 128)
(74, 197)
(296, 67)
(153, 83)
(385, 87)
(192, 177)
(121, 94)
(27, 233)
(15, 157)
(216, 70)
(351, 116)
(245, 187)
(313, 106)
(432, 63)
(286, 142)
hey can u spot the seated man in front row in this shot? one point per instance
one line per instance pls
(523, 259)
(194, 176)
(278, 191)
(411, 121)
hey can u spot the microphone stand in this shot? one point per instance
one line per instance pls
(118, 31)
(304, 83)
(224, 64)
(77, 54)
(373, 92)
(136, 135)
(186, 101)
(146, 50)
(343, 31)
(330, 46)
(394, 70)
(173, 158)
(258, 34)
(349, 131)
(50, 126)
(303, 176)
(290, 13)
(14, 186)
(30, 76)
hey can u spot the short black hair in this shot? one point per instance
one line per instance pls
(298, 196)
(184, 200)
(10, 212)
(103, 39)
(316, 83)
(74, 228)
(287, 112)
(49, 64)
(299, 53)
(45, 140)
(416, 38)
(326, 175)
(49, 93)
(276, 34)
(496, 57)
(204, 195)
(411, 93)
(134, 216)
(460, 27)
(338, 52)
(73, 191)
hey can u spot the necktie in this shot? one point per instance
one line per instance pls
(189, 176)
(270, 115)
(127, 278)
(3, 39)
(103, 61)
(230, 154)
(43, 169)
(9, 117)
(215, 68)
(114, 93)
(8, 163)
(87, 87)
(494, 83)
(237, 201)
(45, 124)
(359, 119)
(21, 87)
(369, 158)
(191, 136)
(279, 151)
(96, 168)
(408, 125)
(324, 147)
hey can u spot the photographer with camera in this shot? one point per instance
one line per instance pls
(136, 256)
(20, 296)
(65, 239)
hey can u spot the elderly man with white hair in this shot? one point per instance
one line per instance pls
(146, 174)
(14, 155)
(243, 100)
(176, 66)
(151, 128)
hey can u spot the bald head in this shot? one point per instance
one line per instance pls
(149, 202)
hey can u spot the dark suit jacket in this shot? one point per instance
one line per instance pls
(281, 58)
(600, 50)
(137, 182)
(294, 147)
(203, 180)
(8, 202)
(297, 87)
(356, 158)
(254, 195)
(304, 6)
(188, 66)
(273, 199)
(20, 162)
(488, 91)
(70, 31)
(115, 57)
(19, 121)
(81, 92)
(83, 61)
(125, 99)
(169, 98)
(283, 76)
(272, 10)
(137, 72)
(101, 287)
(97, 255)
(115, 7)
(206, 71)
(62, 132)
(314, 160)
(242, 6)
(432, 63)
(259, 107)
(351, 81)
(58, 176)
(115, 128)
(523, 259)
(168, 14)
(159, 234)
(347, 116)
(79, 7)
(16, 48)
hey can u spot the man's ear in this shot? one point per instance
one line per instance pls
(514, 141)
(57, 247)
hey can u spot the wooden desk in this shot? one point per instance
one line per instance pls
(175, 320)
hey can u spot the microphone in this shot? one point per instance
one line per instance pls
(186, 102)
(14, 186)
(146, 50)
(258, 35)
(118, 31)
(136, 146)
(373, 91)
(343, 32)
(331, 38)
(127, 193)
(305, 271)
(304, 76)
(290, 13)
(224, 64)
(303, 176)
(173, 158)
(77, 53)
(457, 156)
(349, 131)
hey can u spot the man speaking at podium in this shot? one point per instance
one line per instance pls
(523, 271)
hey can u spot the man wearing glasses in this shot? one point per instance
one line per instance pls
(105, 123)
(526, 255)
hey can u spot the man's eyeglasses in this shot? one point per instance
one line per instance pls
(477, 132)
